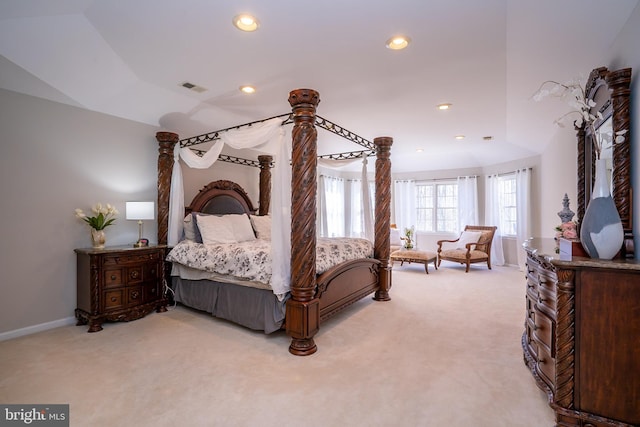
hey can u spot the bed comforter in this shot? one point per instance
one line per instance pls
(251, 260)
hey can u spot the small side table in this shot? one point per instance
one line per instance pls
(119, 284)
(415, 255)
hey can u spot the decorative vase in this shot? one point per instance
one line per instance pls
(601, 230)
(98, 238)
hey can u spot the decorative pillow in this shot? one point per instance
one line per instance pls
(232, 228)
(262, 226)
(395, 237)
(214, 229)
(241, 225)
(189, 228)
(197, 237)
(468, 237)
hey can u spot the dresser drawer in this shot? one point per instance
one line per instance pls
(547, 301)
(547, 280)
(544, 332)
(546, 366)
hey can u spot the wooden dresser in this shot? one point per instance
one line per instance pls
(582, 337)
(119, 284)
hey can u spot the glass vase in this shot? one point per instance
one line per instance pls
(601, 230)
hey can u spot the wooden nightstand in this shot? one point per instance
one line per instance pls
(119, 284)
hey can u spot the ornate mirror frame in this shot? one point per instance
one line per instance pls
(611, 92)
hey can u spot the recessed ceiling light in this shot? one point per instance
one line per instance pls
(444, 106)
(398, 42)
(419, 150)
(246, 22)
(248, 89)
(459, 136)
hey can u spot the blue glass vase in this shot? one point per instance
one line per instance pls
(601, 230)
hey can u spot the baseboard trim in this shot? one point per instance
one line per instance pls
(37, 328)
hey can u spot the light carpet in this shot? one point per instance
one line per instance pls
(445, 351)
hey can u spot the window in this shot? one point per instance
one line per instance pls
(334, 206)
(507, 204)
(437, 206)
(341, 207)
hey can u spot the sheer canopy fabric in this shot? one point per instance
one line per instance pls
(267, 137)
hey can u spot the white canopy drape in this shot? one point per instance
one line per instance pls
(268, 137)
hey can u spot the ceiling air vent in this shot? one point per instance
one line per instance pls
(193, 87)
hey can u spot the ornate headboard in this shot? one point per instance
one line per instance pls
(221, 197)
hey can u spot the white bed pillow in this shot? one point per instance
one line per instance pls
(216, 229)
(395, 237)
(241, 225)
(189, 228)
(262, 226)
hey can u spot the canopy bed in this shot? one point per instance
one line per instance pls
(314, 291)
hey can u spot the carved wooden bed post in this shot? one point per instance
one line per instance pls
(383, 215)
(265, 184)
(167, 141)
(303, 308)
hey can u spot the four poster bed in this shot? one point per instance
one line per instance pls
(325, 275)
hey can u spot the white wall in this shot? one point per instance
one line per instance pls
(56, 158)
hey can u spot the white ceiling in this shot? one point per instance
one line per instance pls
(129, 58)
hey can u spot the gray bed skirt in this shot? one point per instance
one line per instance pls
(257, 309)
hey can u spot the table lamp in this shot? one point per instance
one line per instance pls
(140, 211)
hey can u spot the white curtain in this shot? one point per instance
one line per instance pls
(493, 210)
(467, 201)
(367, 211)
(523, 212)
(405, 203)
(331, 207)
(268, 137)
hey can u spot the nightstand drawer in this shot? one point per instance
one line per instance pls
(135, 275)
(126, 258)
(134, 296)
(113, 278)
(152, 291)
(113, 300)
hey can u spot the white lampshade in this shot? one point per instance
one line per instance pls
(140, 210)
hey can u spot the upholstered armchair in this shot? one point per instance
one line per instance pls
(473, 245)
